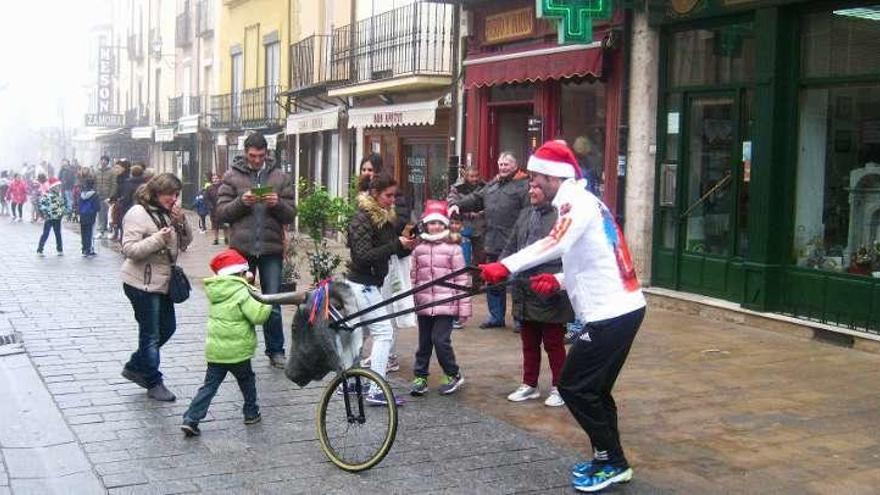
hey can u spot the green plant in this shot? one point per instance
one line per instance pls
(321, 214)
(289, 272)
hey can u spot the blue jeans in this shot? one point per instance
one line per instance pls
(214, 376)
(269, 268)
(87, 231)
(496, 298)
(55, 226)
(156, 324)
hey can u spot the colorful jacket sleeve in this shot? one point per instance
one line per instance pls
(255, 311)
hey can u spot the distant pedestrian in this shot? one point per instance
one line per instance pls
(200, 204)
(4, 189)
(67, 176)
(126, 195)
(231, 338)
(105, 184)
(155, 232)
(17, 195)
(257, 200)
(211, 196)
(89, 205)
(121, 173)
(437, 256)
(36, 189)
(52, 208)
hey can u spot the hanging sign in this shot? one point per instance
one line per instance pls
(575, 17)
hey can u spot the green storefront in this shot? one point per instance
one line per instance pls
(768, 157)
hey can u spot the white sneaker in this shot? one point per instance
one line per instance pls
(524, 392)
(554, 399)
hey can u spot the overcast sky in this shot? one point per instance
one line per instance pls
(45, 65)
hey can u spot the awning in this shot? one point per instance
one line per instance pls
(317, 121)
(165, 135)
(421, 113)
(94, 133)
(142, 132)
(535, 65)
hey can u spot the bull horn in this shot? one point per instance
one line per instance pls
(283, 298)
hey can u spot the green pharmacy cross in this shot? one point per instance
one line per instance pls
(575, 17)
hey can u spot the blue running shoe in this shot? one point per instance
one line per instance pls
(602, 478)
(379, 399)
(582, 469)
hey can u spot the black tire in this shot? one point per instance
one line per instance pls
(359, 443)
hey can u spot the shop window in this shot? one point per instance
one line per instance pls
(426, 173)
(723, 55)
(844, 42)
(582, 111)
(511, 92)
(837, 216)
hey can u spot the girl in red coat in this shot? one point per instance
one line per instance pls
(435, 256)
(17, 195)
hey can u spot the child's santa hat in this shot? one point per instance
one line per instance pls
(435, 211)
(53, 181)
(229, 262)
(555, 159)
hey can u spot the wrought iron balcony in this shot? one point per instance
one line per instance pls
(312, 63)
(135, 46)
(414, 40)
(183, 33)
(252, 108)
(181, 106)
(204, 18)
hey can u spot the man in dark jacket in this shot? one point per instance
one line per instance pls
(105, 183)
(542, 318)
(256, 199)
(501, 201)
(474, 222)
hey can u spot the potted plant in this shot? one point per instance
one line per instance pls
(321, 215)
(289, 270)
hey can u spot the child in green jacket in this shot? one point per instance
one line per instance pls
(231, 338)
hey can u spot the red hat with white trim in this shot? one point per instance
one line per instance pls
(52, 182)
(436, 211)
(555, 159)
(229, 262)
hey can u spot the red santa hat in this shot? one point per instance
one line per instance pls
(555, 159)
(229, 262)
(53, 181)
(435, 211)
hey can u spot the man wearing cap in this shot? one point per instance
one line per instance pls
(598, 274)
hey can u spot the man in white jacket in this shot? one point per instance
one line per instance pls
(600, 279)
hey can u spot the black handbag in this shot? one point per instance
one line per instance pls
(178, 283)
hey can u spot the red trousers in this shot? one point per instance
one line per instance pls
(553, 336)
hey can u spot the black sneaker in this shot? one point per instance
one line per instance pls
(190, 429)
(451, 384)
(161, 394)
(253, 420)
(276, 360)
(135, 377)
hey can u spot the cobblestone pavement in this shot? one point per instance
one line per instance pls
(78, 330)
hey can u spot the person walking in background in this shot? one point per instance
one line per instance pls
(474, 222)
(436, 256)
(67, 176)
(36, 189)
(258, 219)
(126, 195)
(89, 205)
(17, 196)
(200, 204)
(542, 317)
(231, 339)
(155, 231)
(4, 189)
(105, 183)
(121, 173)
(52, 208)
(211, 195)
(501, 199)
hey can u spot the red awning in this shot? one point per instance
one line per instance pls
(535, 65)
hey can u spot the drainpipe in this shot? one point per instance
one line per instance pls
(453, 149)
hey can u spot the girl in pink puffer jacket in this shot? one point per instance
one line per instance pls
(436, 256)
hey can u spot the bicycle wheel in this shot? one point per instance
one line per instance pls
(353, 435)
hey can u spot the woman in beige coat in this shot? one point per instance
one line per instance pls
(155, 231)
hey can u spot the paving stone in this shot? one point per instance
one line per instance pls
(78, 483)
(45, 462)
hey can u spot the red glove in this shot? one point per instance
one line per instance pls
(494, 273)
(544, 284)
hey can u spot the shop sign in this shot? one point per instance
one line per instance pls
(575, 17)
(322, 120)
(241, 140)
(188, 125)
(105, 81)
(420, 113)
(271, 141)
(142, 132)
(418, 167)
(509, 26)
(221, 139)
(105, 120)
(165, 135)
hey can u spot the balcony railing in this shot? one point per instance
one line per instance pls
(135, 117)
(181, 106)
(312, 64)
(252, 108)
(135, 46)
(204, 18)
(412, 40)
(155, 42)
(183, 28)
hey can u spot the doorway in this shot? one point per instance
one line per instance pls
(509, 126)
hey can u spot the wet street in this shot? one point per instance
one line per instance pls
(705, 407)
